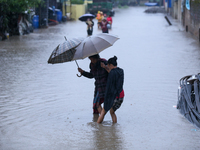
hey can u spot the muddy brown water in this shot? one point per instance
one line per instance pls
(47, 107)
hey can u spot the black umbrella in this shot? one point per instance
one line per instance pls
(86, 16)
(64, 52)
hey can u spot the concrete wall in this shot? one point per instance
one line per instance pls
(195, 19)
(166, 6)
(187, 19)
(175, 10)
(190, 19)
(179, 11)
(76, 10)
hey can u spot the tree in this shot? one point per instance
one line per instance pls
(19, 6)
(14, 6)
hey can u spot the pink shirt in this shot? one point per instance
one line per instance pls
(109, 19)
(121, 95)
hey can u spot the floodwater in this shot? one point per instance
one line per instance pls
(47, 107)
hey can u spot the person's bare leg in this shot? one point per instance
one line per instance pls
(99, 109)
(95, 117)
(101, 117)
(113, 115)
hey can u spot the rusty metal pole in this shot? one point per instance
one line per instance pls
(168, 20)
(199, 35)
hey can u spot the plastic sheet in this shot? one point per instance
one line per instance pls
(189, 98)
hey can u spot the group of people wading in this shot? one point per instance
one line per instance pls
(104, 23)
(109, 79)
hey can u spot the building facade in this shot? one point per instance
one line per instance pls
(187, 12)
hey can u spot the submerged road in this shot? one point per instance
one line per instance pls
(47, 107)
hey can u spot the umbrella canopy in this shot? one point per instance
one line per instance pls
(94, 44)
(85, 17)
(64, 52)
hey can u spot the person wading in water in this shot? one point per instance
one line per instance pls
(100, 75)
(114, 94)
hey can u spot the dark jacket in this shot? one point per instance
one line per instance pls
(100, 75)
(114, 87)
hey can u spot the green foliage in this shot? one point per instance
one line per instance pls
(196, 1)
(119, 6)
(77, 2)
(122, 2)
(19, 6)
(15, 6)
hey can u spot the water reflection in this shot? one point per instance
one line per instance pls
(107, 135)
(95, 117)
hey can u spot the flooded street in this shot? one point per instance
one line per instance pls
(47, 107)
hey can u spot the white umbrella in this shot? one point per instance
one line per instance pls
(94, 44)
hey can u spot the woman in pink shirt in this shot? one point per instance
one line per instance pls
(109, 19)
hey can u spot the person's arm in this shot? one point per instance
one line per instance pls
(86, 74)
(105, 67)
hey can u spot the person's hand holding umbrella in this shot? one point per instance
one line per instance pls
(81, 71)
(65, 51)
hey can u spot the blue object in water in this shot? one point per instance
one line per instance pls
(35, 21)
(151, 4)
(169, 3)
(108, 26)
(59, 15)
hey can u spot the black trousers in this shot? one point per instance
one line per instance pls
(89, 32)
(105, 31)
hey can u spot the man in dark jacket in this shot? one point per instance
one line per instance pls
(114, 90)
(100, 75)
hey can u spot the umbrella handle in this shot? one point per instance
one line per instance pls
(79, 75)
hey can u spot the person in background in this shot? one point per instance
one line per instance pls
(99, 18)
(114, 94)
(90, 25)
(104, 27)
(110, 21)
(100, 75)
(102, 15)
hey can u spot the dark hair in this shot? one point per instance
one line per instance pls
(113, 61)
(96, 56)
